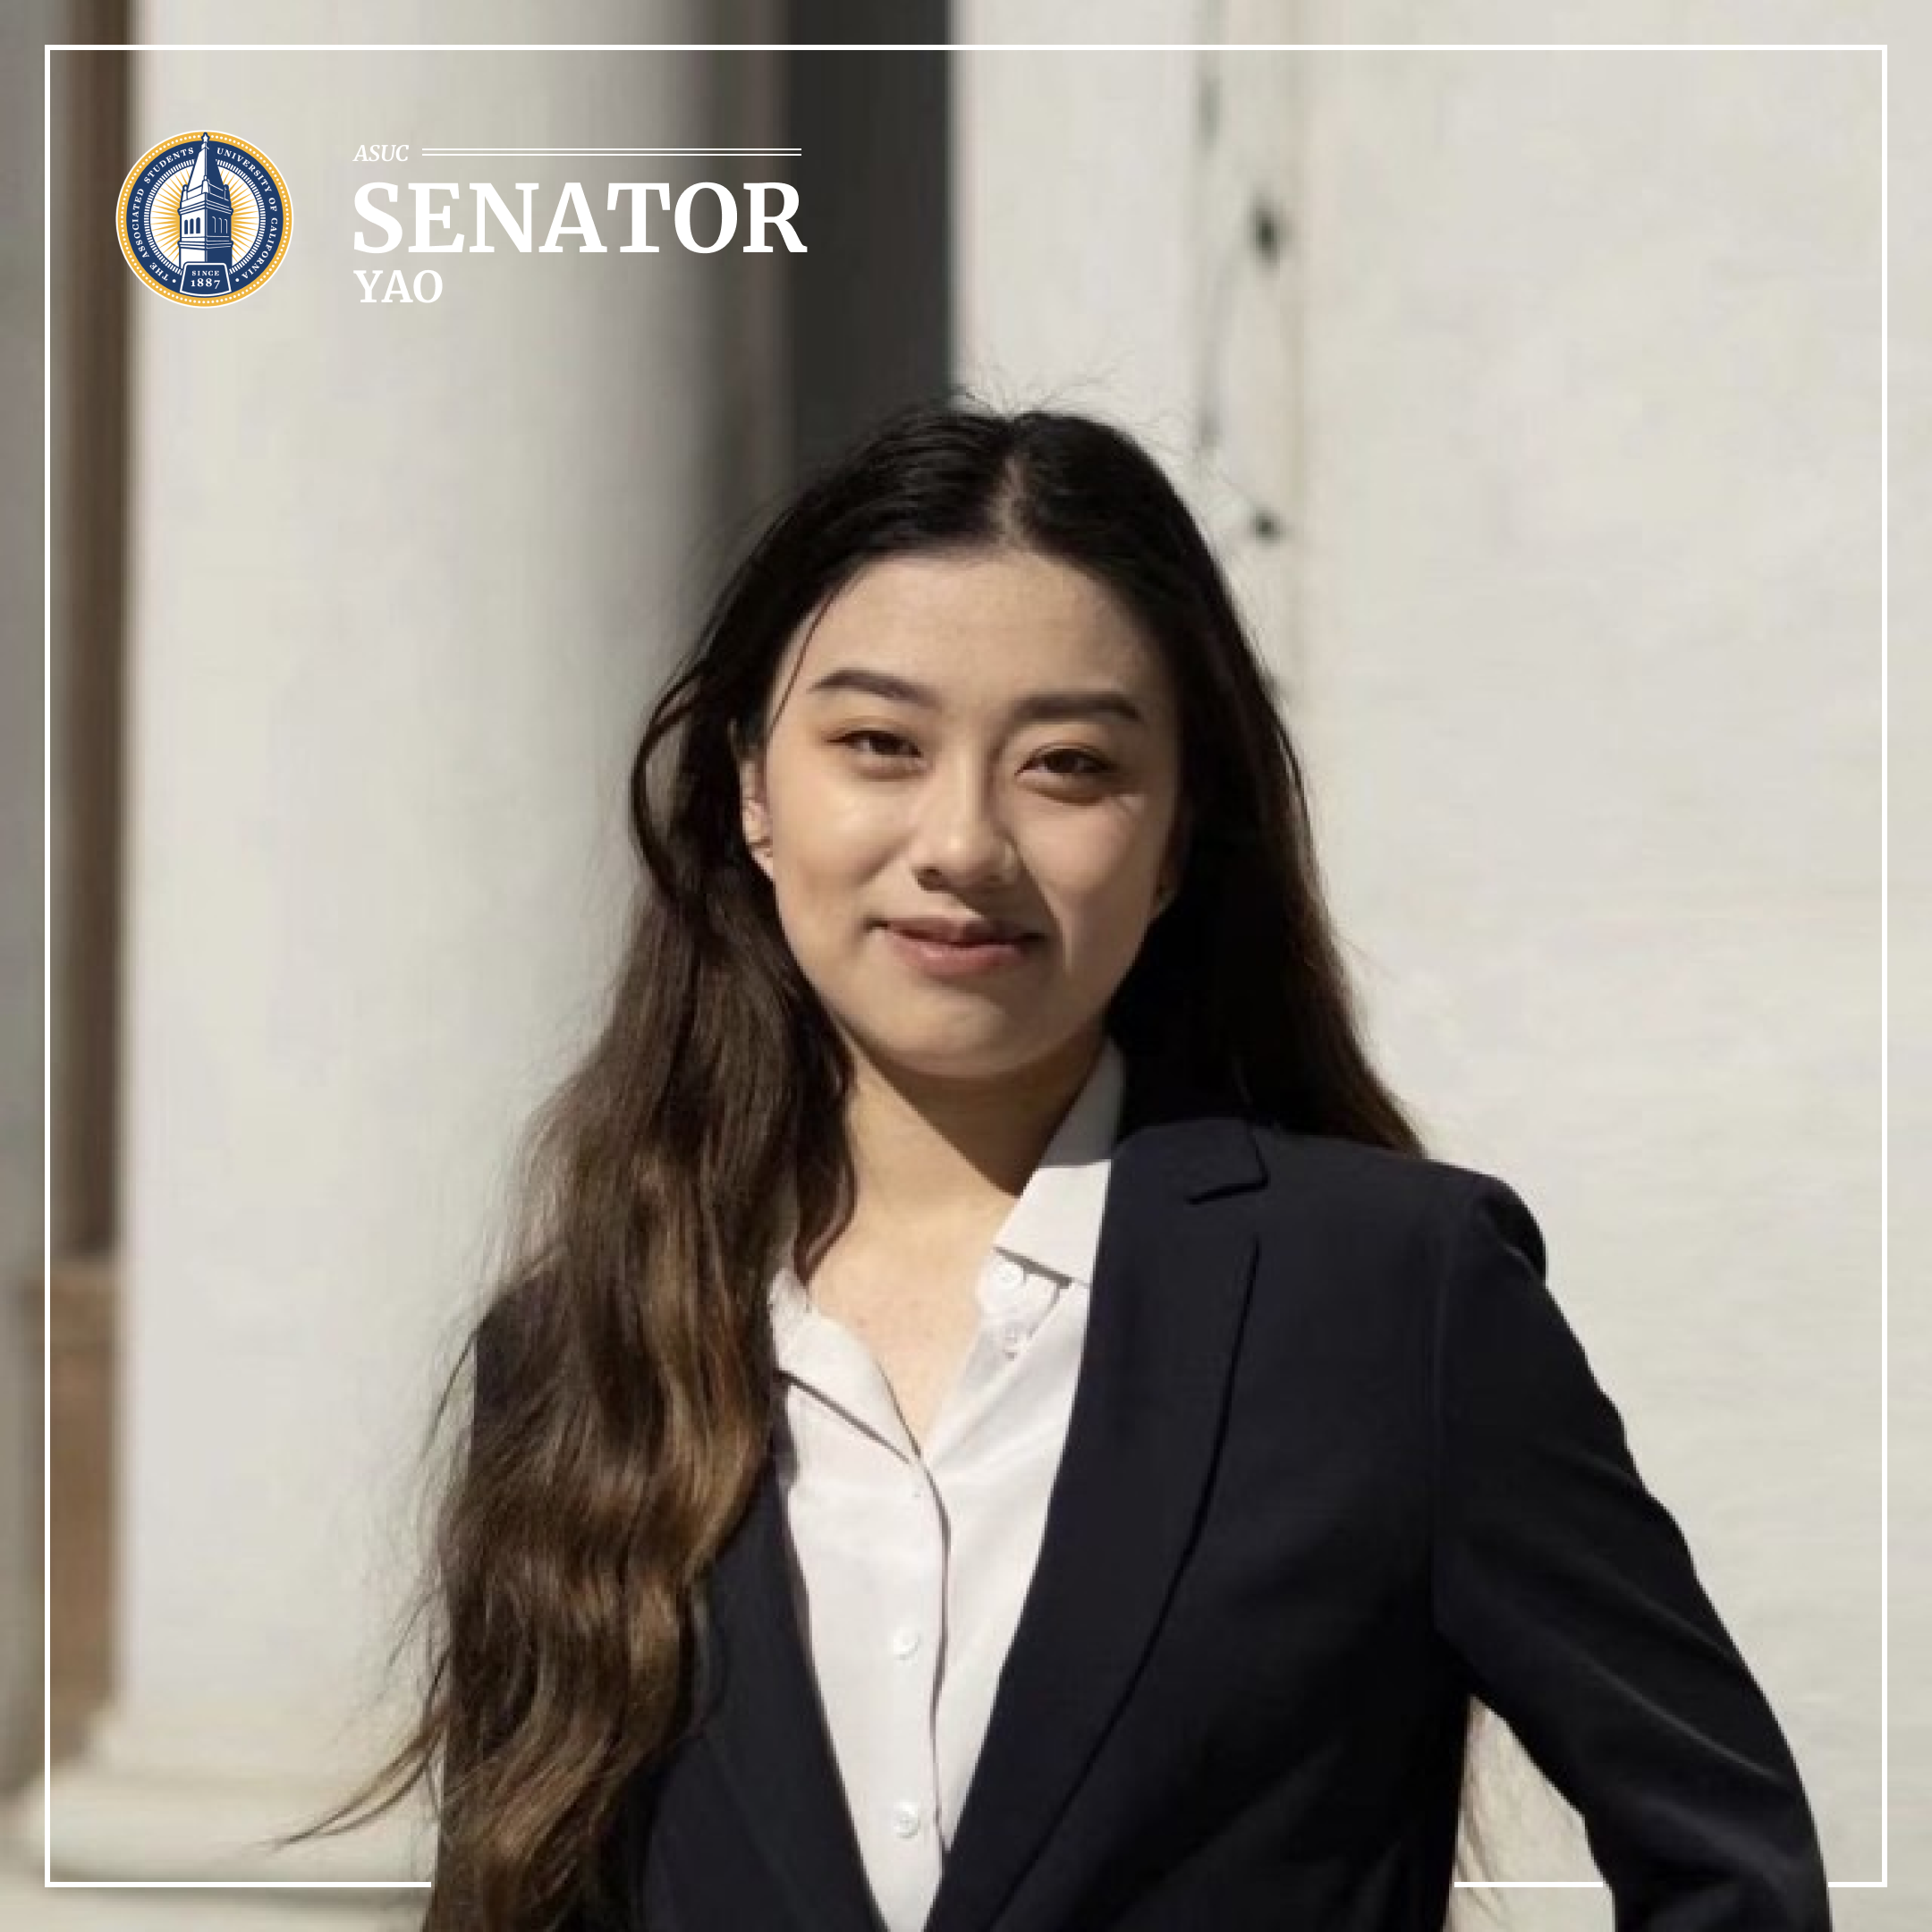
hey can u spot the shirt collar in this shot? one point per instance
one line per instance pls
(1055, 1222)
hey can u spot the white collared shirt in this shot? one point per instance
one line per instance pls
(909, 1570)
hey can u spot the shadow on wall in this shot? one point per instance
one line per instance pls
(88, 302)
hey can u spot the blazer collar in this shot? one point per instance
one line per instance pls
(1171, 1281)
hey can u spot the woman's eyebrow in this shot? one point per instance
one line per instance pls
(1045, 707)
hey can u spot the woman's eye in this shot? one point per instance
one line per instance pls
(872, 739)
(1089, 766)
(1066, 762)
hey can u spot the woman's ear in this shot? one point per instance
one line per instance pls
(754, 816)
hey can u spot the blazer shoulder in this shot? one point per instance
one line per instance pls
(1389, 1176)
(1351, 1187)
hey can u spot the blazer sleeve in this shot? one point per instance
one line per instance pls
(1571, 1596)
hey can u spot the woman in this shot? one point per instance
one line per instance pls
(997, 1423)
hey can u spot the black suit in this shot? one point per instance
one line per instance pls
(1335, 1464)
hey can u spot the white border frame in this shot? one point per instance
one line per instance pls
(982, 46)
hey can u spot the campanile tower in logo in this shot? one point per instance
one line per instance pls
(207, 219)
(204, 218)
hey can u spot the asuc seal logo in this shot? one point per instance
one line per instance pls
(203, 219)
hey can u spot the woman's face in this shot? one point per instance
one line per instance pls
(983, 736)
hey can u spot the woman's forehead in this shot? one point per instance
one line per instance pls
(976, 624)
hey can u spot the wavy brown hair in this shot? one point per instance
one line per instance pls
(624, 1386)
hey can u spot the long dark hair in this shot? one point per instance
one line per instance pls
(625, 1389)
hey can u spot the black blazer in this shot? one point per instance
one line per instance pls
(1336, 1464)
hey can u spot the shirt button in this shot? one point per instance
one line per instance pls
(905, 1818)
(905, 1641)
(1011, 1336)
(1008, 1275)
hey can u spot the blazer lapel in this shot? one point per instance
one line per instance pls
(768, 1732)
(1170, 1282)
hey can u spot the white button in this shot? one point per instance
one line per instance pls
(1008, 1274)
(1011, 1336)
(905, 1818)
(905, 1641)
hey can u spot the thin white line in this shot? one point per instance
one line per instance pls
(422, 1884)
(962, 46)
(1884, 995)
(47, 965)
(1597, 1885)
(611, 150)
(51, 48)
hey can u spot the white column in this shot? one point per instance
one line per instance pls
(1127, 246)
(404, 580)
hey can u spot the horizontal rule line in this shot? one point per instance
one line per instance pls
(539, 151)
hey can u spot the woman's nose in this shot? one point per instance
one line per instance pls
(959, 834)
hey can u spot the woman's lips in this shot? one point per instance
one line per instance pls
(941, 958)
